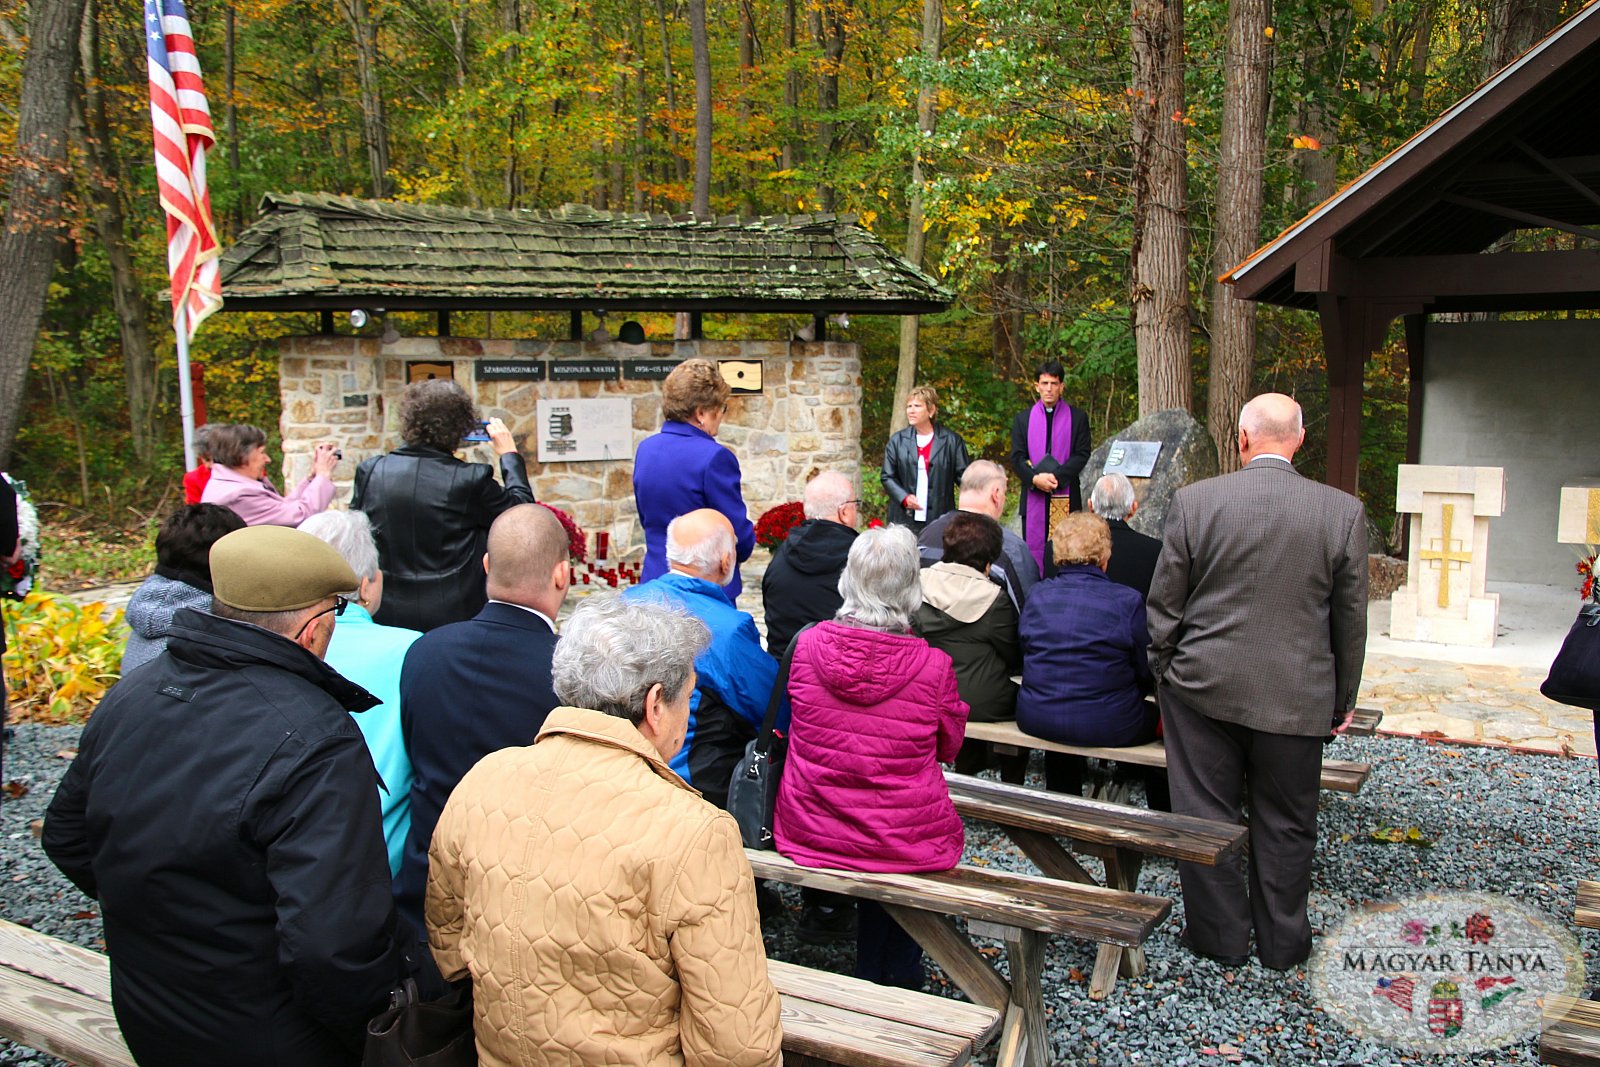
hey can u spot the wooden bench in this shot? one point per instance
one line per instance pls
(1019, 910)
(1340, 775)
(1365, 722)
(1571, 1033)
(835, 1019)
(1588, 911)
(56, 997)
(1119, 835)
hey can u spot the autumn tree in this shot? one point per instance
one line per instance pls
(31, 235)
(916, 232)
(1159, 285)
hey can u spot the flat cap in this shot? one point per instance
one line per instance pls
(275, 568)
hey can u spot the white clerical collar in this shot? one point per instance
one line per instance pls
(530, 611)
(1272, 455)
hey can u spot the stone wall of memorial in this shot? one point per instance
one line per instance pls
(806, 416)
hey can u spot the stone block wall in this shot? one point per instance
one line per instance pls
(807, 419)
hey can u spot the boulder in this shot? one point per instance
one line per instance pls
(1187, 455)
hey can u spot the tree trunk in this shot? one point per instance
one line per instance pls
(105, 186)
(701, 52)
(374, 119)
(827, 26)
(1160, 290)
(1238, 216)
(791, 81)
(1511, 27)
(1421, 46)
(680, 166)
(230, 118)
(460, 38)
(31, 236)
(747, 77)
(916, 238)
(641, 113)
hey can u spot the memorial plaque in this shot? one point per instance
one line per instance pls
(742, 375)
(581, 430)
(419, 370)
(509, 370)
(1133, 459)
(583, 370)
(648, 370)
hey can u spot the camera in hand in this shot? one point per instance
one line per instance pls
(480, 434)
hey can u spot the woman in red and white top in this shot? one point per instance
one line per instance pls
(922, 464)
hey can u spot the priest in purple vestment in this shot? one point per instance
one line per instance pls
(1049, 449)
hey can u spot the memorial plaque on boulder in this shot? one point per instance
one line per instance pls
(1183, 453)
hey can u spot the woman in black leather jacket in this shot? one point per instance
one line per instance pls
(916, 502)
(431, 512)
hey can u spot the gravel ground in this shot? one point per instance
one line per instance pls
(1512, 824)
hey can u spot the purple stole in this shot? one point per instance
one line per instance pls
(1036, 518)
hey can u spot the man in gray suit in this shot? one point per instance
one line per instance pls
(1258, 627)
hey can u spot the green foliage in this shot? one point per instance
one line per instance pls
(60, 657)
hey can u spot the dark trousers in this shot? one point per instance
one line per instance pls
(978, 756)
(1217, 770)
(885, 953)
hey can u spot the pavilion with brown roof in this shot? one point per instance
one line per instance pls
(578, 405)
(1485, 210)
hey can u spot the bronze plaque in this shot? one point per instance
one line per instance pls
(418, 370)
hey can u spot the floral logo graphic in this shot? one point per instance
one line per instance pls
(1445, 972)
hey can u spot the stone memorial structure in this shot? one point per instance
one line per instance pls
(1187, 454)
(1578, 518)
(796, 407)
(1444, 598)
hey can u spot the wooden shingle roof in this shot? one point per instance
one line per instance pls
(311, 251)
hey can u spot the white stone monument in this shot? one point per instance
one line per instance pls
(1578, 522)
(1444, 599)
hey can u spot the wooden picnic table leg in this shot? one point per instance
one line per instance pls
(1122, 872)
(1025, 949)
(1047, 854)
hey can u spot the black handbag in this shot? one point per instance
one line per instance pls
(416, 1033)
(753, 789)
(1575, 675)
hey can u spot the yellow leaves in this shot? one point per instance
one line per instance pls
(1266, 31)
(62, 657)
(1305, 141)
(868, 218)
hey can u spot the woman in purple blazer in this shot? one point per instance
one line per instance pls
(682, 468)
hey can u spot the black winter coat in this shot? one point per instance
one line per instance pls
(801, 585)
(431, 515)
(221, 808)
(945, 468)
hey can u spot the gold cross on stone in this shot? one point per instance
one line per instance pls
(1444, 556)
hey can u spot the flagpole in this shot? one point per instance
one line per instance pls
(185, 396)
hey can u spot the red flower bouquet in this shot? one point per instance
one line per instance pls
(774, 524)
(577, 540)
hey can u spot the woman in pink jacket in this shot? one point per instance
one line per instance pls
(239, 479)
(875, 712)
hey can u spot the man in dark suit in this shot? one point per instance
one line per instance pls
(1133, 554)
(1258, 627)
(1049, 449)
(475, 687)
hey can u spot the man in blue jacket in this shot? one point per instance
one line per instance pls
(734, 675)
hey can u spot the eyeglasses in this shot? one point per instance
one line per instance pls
(339, 604)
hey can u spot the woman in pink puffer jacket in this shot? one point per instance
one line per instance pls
(875, 712)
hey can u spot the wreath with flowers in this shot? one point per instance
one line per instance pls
(1586, 567)
(577, 540)
(16, 579)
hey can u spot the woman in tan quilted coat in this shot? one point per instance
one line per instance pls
(604, 911)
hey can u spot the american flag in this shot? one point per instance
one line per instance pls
(183, 133)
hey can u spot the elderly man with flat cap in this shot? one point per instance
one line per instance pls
(221, 809)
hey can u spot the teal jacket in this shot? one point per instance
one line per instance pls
(370, 655)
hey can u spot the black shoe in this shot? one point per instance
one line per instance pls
(1224, 960)
(768, 904)
(821, 925)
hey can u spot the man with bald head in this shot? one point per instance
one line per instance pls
(983, 492)
(475, 687)
(801, 585)
(734, 675)
(1258, 627)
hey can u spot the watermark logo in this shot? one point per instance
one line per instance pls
(1445, 972)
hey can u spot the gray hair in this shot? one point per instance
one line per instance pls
(612, 650)
(981, 475)
(704, 555)
(881, 582)
(350, 534)
(1113, 497)
(826, 494)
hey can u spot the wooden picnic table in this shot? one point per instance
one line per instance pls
(1019, 910)
(1120, 836)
